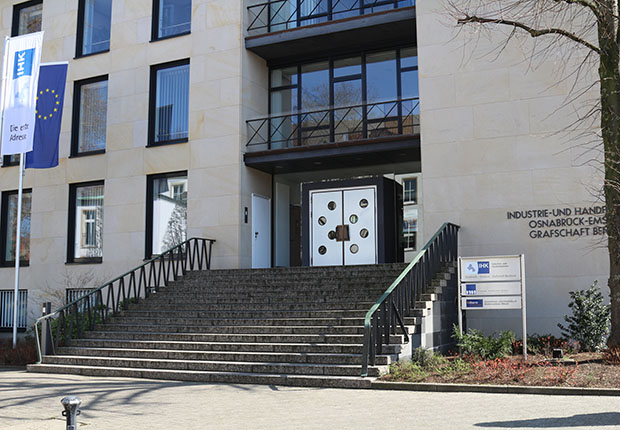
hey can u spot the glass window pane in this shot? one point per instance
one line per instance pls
(13, 159)
(347, 67)
(408, 57)
(381, 76)
(30, 19)
(93, 114)
(169, 212)
(409, 83)
(345, 9)
(172, 103)
(282, 14)
(410, 226)
(174, 17)
(88, 222)
(315, 85)
(348, 119)
(410, 190)
(11, 221)
(284, 77)
(313, 11)
(97, 17)
(284, 101)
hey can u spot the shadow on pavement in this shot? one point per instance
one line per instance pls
(583, 420)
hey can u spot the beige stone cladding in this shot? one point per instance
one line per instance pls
(495, 141)
(227, 83)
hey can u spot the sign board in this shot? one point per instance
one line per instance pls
(491, 302)
(490, 288)
(491, 269)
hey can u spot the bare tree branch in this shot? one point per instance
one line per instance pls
(467, 19)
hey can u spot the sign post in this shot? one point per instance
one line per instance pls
(492, 283)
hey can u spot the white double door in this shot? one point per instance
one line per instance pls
(343, 226)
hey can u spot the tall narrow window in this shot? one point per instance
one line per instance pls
(27, 18)
(90, 106)
(169, 103)
(94, 19)
(167, 212)
(9, 227)
(171, 18)
(6, 309)
(85, 223)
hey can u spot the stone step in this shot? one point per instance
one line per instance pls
(286, 296)
(274, 330)
(213, 366)
(265, 299)
(213, 377)
(229, 346)
(149, 305)
(256, 313)
(241, 338)
(236, 356)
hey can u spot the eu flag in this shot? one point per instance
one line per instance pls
(50, 97)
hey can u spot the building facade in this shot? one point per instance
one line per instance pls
(219, 119)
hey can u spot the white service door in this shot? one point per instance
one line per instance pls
(261, 232)
(325, 216)
(360, 215)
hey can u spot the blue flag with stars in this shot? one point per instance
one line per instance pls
(50, 97)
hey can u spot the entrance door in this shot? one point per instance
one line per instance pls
(261, 232)
(343, 227)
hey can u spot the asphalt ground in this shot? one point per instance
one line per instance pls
(32, 401)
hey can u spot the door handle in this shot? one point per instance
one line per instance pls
(255, 235)
(342, 233)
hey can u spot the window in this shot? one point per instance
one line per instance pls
(27, 18)
(6, 309)
(85, 223)
(166, 219)
(93, 34)
(9, 227)
(169, 103)
(171, 18)
(411, 211)
(410, 190)
(90, 106)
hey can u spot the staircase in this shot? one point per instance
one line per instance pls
(282, 326)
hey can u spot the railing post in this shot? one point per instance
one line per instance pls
(46, 337)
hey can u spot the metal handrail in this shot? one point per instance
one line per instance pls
(335, 123)
(89, 309)
(396, 303)
(274, 15)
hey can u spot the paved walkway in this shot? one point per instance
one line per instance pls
(32, 401)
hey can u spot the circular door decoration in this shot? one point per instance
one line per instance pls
(332, 235)
(354, 248)
(322, 250)
(364, 233)
(363, 203)
(331, 205)
(353, 219)
(322, 220)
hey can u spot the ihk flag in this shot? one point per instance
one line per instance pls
(50, 97)
(20, 72)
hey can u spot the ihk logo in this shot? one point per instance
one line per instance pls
(483, 267)
(23, 63)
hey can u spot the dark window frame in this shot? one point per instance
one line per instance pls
(153, 98)
(75, 117)
(150, 179)
(4, 228)
(71, 259)
(155, 24)
(79, 36)
(16, 10)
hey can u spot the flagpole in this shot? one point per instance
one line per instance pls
(18, 235)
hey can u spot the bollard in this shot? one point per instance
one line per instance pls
(71, 404)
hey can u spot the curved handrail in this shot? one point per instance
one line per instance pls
(170, 253)
(390, 290)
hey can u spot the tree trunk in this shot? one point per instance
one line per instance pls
(610, 128)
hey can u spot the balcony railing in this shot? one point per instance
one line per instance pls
(335, 124)
(277, 15)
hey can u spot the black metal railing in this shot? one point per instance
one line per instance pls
(96, 307)
(335, 124)
(277, 15)
(387, 315)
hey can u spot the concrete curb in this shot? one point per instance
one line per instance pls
(506, 389)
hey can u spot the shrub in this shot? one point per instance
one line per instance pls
(590, 321)
(473, 342)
